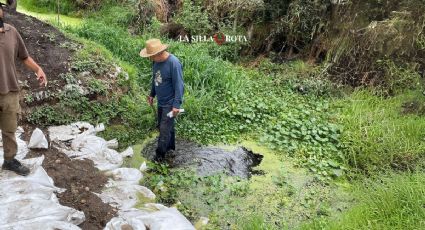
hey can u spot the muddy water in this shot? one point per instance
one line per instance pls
(209, 160)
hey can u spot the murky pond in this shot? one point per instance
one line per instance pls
(209, 160)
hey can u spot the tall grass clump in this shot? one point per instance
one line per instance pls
(378, 135)
(394, 201)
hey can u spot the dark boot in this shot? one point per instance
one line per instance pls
(159, 156)
(15, 166)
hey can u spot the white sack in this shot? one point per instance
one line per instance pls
(157, 217)
(128, 152)
(126, 175)
(38, 140)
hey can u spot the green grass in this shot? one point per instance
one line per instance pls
(256, 222)
(47, 6)
(393, 201)
(377, 135)
(27, 7)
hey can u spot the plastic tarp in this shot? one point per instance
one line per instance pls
(156, 217)
(119, 223)
(122, 190)
(126, 175)
(96, 149)
(86, 145)
(128, 152)
(31, 202)
(69, 132)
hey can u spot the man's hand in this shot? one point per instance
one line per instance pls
(150, 100)
(41, 77)
(175, 112)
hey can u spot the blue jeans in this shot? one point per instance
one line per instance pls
(166, 140)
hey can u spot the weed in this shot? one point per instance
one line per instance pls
(165, 182)
(48, 115)
(28, 98)
(96, 86)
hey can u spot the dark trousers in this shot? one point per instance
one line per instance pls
(166, 140)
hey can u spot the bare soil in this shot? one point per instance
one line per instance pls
(80, 178)
(46, 45)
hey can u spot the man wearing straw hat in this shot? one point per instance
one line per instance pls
(168, 87)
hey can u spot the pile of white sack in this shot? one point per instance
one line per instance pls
(79, 141)
(31, 203)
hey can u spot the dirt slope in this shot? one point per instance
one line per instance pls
(48, 47)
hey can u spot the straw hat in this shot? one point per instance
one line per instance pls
(153, 46)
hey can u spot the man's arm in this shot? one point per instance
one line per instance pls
(177, 76)
(153, 92)
(29, 62)
(41, 76)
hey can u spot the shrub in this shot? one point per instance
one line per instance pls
(193, 18)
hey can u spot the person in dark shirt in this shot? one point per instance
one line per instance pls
(168, 87)
(12, 47)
